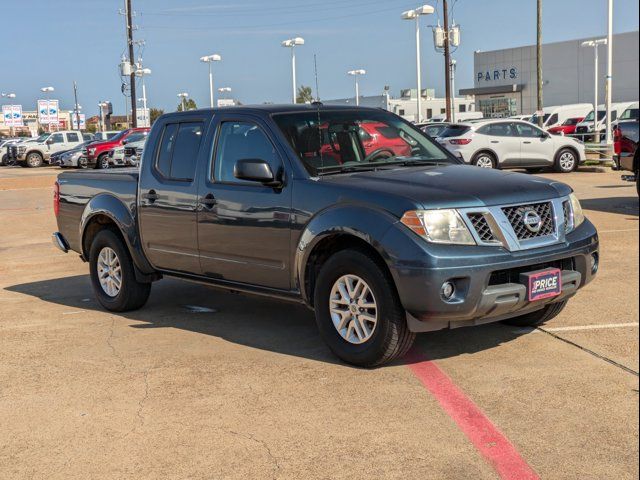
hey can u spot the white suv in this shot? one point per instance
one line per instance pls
(512, 144)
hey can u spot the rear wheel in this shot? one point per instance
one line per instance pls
(34, 160)
(113, 276)
(485, 160)
(538, 317)
(566, 161)
(358, 311)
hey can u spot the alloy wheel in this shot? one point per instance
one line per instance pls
(484, 161)
(567, 161)
(353, 309)
(109, 272)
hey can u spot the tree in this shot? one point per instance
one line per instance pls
(154, 113)
(190, 104)
(305, 95)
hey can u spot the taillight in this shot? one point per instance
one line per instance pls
(460, 141)
(56, 198)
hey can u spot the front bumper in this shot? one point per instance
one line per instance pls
(487, 281)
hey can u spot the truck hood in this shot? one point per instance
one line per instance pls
(454, 186)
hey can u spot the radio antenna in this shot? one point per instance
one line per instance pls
(315, 66)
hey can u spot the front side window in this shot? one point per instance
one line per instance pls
(242, 141)
(57, 138)
(630, 114)
(178, 151)
(329, 142)
(529, 131)
(552, 120)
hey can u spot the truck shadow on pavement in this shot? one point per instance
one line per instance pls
(256, 322)
(619, 205)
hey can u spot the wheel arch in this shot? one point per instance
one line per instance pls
(486, 150)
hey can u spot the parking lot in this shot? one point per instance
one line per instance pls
(207, 384)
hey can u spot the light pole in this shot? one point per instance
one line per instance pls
(452, 66)
(183, 100)
(595, 44)
(356, 74)
(292, 43)
(609, 84)
(209, 59)
(415, 15)
(143, 72)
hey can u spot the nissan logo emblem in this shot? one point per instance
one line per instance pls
(532, 221)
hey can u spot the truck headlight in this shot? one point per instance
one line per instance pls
(439, 226)
(576, 208)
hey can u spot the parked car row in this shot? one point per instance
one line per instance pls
(626, 137)
(75, 149)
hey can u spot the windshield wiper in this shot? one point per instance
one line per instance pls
(365, 167)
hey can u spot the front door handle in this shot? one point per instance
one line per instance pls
(209, 201)
(495, 141)
(150, 196)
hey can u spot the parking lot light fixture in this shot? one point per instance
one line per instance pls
(595, 44)
(183, 100)
(292, 43)
(415, 15)
(356, 74)
(143, 72)
(209, 59)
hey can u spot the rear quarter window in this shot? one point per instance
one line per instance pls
(454, 131)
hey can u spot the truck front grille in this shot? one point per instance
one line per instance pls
(129, 151)
(516, 214)
(480, 224)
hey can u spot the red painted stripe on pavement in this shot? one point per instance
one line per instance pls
(485, 436)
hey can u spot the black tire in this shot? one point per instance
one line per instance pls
(481, 158)
(34, 160)
(391, 337)
(132, 294)
(538, 317)
(102, 162)
(638, 183)
(3, 160)
(560, 164)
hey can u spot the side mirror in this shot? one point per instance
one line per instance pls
(49, 141)
(545, 135)
(255, 170)
(125, 141)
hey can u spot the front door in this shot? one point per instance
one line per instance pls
(244, 228)
(537, 148)
(168, 195)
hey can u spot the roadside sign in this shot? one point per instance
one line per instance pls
(74, 121)
(12, 115)
(48, 112)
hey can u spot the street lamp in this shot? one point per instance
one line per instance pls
(595, 44)
(292, 43)
(453, 89)
(209, 59)
(356, 74)
(415, 15)
(183, 100)
(143, 72)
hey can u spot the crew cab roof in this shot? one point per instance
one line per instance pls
(276, 109)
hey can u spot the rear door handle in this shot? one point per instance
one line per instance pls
(209, 201)
(150, 196)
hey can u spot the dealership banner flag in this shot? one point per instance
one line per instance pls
(48, 111)
(12, 115)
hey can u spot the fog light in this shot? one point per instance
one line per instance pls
(448, 290)
(594, 263)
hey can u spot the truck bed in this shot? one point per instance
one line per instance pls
(79, 187)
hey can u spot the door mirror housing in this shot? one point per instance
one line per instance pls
(49, 141)
(255, 170)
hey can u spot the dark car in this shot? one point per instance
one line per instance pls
(626, 135)
(380, 247)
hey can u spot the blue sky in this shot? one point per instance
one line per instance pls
(84, 40)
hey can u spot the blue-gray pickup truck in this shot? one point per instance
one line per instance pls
(352, 211)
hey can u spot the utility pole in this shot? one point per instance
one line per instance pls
(539, 66)
(447, 59)
(75, 96)
(128, 16)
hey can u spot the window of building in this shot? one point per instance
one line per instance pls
(242, 141)
(429, 112)
(443, 110)
(462, 108)
(401, 112)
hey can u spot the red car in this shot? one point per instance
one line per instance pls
(374, 138)
(567, 128)
(96, 155)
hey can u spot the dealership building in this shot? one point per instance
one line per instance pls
(505, 81)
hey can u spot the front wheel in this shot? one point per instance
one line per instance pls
(34, 160)
(102, 162)
(538, 317)
(113, 276)
(358, 311)
(566, 161)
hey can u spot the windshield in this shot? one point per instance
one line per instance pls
(631, 114)
(118, 136)
(343, 141)
(42, 137)
(601, 115)
(572, 121)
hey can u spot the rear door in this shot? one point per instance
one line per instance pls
(537, 148)
(73, 139)
(244, 228)
(168, 194)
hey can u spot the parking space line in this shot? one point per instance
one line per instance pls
(579, 328)
(488, 440)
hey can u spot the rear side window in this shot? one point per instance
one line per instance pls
(454, 131)
(553, 120)
(497, 130)
(73, 137)
(178, 151)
